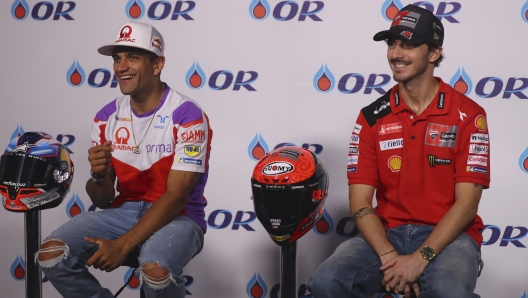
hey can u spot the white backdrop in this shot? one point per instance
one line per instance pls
(278, 49)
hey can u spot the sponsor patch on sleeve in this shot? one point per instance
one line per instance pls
(353, 159)
(479, 138)
(476, 169)
(357, 128)
(477, 160)
(354, 139)
(478, 149)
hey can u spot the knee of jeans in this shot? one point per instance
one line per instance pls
(155, 276)
(51, 252)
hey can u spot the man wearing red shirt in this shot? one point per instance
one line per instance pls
(424, 148)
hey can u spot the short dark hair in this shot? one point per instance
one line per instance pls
(433, 46)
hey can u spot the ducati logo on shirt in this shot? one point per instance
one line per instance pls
(441, 135)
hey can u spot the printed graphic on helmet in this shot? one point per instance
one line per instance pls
(276, 168)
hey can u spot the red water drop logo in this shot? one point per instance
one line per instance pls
(258, 151)
(259, 11)
(391, 11)
(322, 226)
(195, 79)
(135, 10)
(20, 11)
(76, 77)
(324, 82)
(18, 270)
(461, 85)
(257, 148)
(256, 290)
(75, 209)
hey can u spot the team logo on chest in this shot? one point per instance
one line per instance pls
(441, 135)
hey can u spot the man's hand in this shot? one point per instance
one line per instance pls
(111, 254)
(402, 271)
(100, 157)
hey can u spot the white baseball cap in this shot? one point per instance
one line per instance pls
(136, 35)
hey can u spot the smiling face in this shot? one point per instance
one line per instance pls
(137, 71)
(409, 61)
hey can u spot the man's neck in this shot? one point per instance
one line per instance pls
(144, 103)
(419, 92)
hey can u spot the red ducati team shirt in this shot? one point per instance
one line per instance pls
(415, 161)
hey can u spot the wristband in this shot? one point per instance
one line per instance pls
(386, 253)
(95, 178)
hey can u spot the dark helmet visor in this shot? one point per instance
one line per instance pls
(23, 170)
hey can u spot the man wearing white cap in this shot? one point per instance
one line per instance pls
(156, 143)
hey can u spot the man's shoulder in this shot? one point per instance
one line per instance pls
(107, 111)
(462, 102)
(378, 109)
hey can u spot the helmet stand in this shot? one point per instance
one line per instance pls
(288, 278)
(32, 240)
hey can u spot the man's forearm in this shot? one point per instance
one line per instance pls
(101, 193)
(368, 222)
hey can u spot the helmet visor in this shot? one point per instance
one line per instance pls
(23, 171)
(288, 205)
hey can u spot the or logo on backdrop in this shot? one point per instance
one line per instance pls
(222, 218)
(523, 161)
(220, 79)
(444, 10)
(513, 235)
(160, 10)
(286, 10)
(18, 269)
(325, 225)
(258, 147)
(256, 287)
(524, 12)
(489, 87)
(44, 10)
(99, 77)
(74, 207)
(65, 139)
(350, 83)
(461, 82)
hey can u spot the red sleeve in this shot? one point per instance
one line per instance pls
(473, 160)
(362, 167)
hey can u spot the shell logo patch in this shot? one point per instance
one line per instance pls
(480, 122)
(395, 163)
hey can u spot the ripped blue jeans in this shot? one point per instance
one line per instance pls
(171, 247)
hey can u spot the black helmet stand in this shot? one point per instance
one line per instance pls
(289, 256)
(32, 239)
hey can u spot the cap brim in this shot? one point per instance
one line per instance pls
(108, 50)
(384, 35)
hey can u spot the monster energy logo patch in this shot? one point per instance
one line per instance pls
(433, 160)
